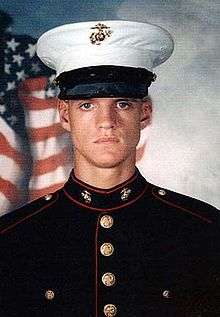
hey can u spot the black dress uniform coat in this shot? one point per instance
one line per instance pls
(135, 250)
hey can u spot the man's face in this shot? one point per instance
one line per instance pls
(105, 131)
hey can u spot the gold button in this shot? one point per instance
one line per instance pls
(166, 294)
(49, 294)
(110, 310)
(107, 249)
(48, 196)
(161, 192)
(108, 279)
(106, 221)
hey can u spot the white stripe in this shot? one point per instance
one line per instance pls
(41, 118)
(59, 175)
(13, 139)
(5, 204)
(40, 94)
(9, 170)
(51, 146)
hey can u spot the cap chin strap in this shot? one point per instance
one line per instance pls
(116, 89)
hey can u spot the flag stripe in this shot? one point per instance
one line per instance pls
(33, 103)
(49, 147)
(5, 202)
(36, 119)
(9, 151)
(51, 163)
(7, 165)
(45, 132)
(9, 190)
(12, 137)
(46, 180)
(30, 85)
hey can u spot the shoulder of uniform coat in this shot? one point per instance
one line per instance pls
(10, 220)
(185, 204)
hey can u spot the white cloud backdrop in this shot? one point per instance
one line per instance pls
(183, 143)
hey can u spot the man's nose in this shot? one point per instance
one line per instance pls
(107, 117)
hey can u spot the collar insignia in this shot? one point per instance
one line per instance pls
(125, 193)
(86, 196)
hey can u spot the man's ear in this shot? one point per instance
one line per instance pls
(63, 109)
(146, 113)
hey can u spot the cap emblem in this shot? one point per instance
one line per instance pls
(101, 32)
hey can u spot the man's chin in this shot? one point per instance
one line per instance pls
(107, 164)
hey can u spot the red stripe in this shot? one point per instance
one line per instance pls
(9, 190)
(34, 103)
(41, 134)
(33, 84)
(7, 150)
(51, 163)
(37, 193)
(26, 89)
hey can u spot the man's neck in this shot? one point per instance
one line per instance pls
(104, 178)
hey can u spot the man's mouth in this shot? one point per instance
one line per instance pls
(107, 140)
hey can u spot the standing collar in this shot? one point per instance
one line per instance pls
(97, 199)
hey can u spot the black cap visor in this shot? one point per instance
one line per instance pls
(104, 81)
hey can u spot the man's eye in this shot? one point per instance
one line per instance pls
(123, 105)
(86, 106)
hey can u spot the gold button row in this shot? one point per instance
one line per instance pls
(108, 279)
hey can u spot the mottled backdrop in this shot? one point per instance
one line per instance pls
(183, 148)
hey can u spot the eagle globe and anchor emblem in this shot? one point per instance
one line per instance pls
(101, 32)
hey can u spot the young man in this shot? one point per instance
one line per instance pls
(108, 243)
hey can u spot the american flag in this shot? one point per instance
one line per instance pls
(35, 151)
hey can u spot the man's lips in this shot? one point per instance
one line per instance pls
(107, 140)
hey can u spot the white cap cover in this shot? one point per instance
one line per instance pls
(118, 43)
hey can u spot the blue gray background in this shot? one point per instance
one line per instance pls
(182, 151)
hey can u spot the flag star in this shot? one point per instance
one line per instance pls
(2, 94)
(9, 29)
(2, 109)
(7, 68)
(21, 75)
(31, 49)
(12, 119)
(12, 45)
(35, 67)
(50, 92)
(18, 59)
(10, 85)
